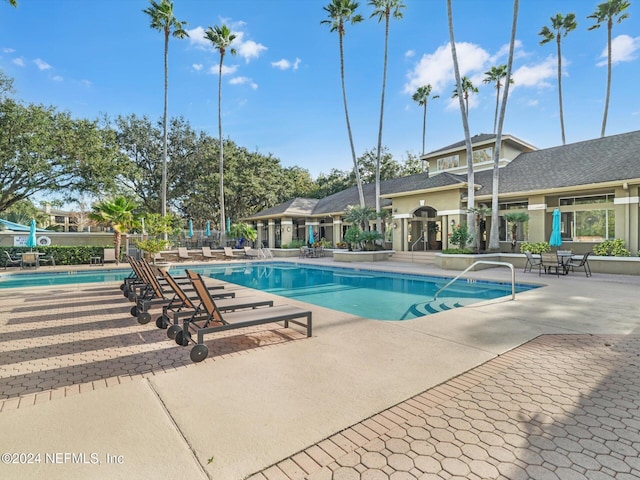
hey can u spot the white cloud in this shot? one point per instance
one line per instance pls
(250, 50)
(19, 61)
(285, 64)
(623, 49)
(533, 102)
(8, 50)
(437, 68)
(225, 69)
(85, 83)
(502, 54)
(57, 78)
(197, 66)
(536, 75)
(243, 81)
(247, 49)
(42, 65)
(410, 53)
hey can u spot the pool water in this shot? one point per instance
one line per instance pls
(369, 294)
(365, 293)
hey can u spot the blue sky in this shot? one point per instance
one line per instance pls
(281, 93)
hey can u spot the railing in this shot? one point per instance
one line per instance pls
(486, 262)
(413, 245)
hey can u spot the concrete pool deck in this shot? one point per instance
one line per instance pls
(547, 386)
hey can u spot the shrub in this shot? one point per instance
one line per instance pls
(612, 248)
(535, 247)
(459, 236)
(294, 244)
(370, 238)
(457, 251)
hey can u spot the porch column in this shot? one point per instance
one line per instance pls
(287, 227)
(260, 230)
(272, 234)
(337, 230)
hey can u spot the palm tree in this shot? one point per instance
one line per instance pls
(608, 11)
(221, 38)
(422, 97)
(341, 12)
(494, 237)
(496, 74)
(13, 3)
(383, 10)
(560, 27)
(117, 214)
(471, 222)
(467, 88)
(162, 19)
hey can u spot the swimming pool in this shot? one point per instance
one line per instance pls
(366, 293)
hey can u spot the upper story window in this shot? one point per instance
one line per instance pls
(60, 219)
(452, 161)
(607, 198)
(483, 155)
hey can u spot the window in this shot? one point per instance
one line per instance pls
(522, 228)
(484, 155)
(588, 218)
(451, 161)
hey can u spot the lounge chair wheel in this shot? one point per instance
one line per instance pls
(134, 311)
(199, 353)
(173, 329)
(144, 317)
(161, 322)
(181, 338)
(125, 291)
(122, 287)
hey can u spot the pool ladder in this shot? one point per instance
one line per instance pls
(486, 262)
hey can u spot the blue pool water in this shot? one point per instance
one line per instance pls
(366, 293)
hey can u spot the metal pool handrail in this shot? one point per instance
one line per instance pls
(488, 262)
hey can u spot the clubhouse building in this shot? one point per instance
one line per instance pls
(593, 183)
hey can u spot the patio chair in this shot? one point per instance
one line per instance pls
(10, 261)
(48, 259)
(109, 255)
(215, 321)
(188, 305)
(550, 262)
(155, 293)
(532, 262)
(250, 252)
(228, 253)
(183, 254)
(30, 259)
(581, 263)
(207, 254)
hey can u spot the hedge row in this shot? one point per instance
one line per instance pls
(77, 255)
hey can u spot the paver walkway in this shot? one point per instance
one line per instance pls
(558, 407)
(56, 343)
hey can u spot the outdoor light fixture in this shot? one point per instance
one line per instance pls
(453, 223)
(288, 229)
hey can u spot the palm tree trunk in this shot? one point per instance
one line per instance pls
(606, 101)
(560, 87)
(495, 116)
(471, 222)
(424, 125)
(384, 84)
(164, 126)
(494, 237)
(117, 242)
(221, 157)
(346, 113)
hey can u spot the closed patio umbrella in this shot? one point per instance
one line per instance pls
(31, 240)
(207, 231)
(190, 234)
(556, 235)
(311, 239)
(228, 225)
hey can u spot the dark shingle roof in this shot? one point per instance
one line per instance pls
(607, 159)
